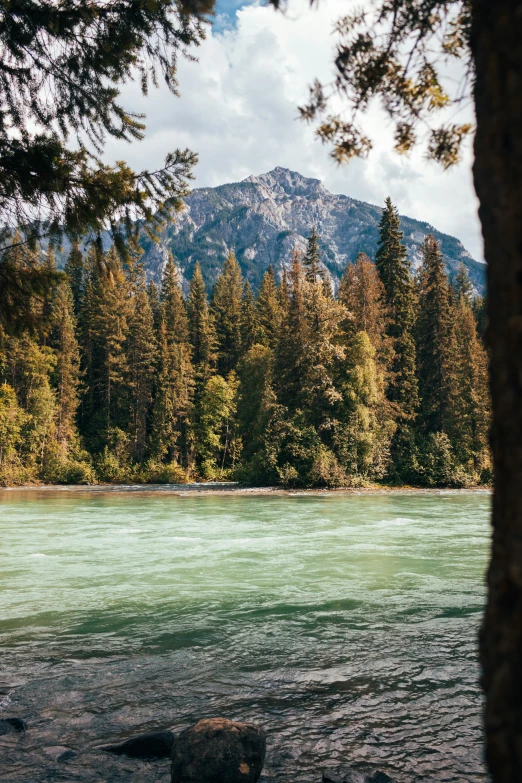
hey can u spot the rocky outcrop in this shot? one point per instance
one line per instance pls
(153, 745)
(218, 751)
(264, 218)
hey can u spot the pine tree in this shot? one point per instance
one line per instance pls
(108, 308)
(12, 419)
(470, 403)
(141, 358)
(174, 392)
(435, 341)
(226, 309)
(66, 374)
(462, 285)
(394, 271)
(249, 323)
(75, 270)
(362, 293)
(201, 327)
(292, 346)
(269, 310)
(312, 258)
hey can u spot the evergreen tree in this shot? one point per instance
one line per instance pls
(312, 258)
(462, 285)
(470, 402)
(66, 374)
(174, 391)
(201, 327)
(249, 323)
(292, 346)
(141, 357)
(435, 341)
(12, 419)
(362, 293)
(269, 310)
(75, 270)
(394, 271)
(226, 309)
(108, 308)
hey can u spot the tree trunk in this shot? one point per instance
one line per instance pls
(497, 50)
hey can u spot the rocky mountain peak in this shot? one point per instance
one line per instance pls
(283, 182)
(265, 217)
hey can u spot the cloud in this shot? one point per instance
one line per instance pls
(238, 110)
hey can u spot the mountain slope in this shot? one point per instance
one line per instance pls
(264, 218)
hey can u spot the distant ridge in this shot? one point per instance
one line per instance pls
(263, 218)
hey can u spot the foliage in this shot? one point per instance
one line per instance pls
(296, 387)
(397, 52)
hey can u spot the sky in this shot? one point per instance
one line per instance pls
(238, 110)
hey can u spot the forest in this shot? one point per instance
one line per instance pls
(383, 381)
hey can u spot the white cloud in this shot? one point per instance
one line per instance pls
(238, 110)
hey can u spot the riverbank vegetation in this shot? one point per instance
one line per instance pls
(385, 381)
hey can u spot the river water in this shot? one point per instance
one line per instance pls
(344, 624)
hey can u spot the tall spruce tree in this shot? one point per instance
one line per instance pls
(269, 310)
(141, 360)
(226, 309)
(393, 267)
(201, 327)
(249, 324)
(362, 292)
(66, 373)
(75, 270)
(435, 341)
(108, 309)
(312, 258)
(175, 383)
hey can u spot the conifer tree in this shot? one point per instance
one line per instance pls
(312, 258)
(174, 392)
(201, 327)
(141, 358)
(435, 341)
(394, 271)
(108, 310)
(362, 293)
(226, 309)
(462, 285)
(269, 309)
(66, 373)
(75, 270)
(249, 323)
(470, 402)
(292, 346)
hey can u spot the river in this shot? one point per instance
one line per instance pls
(344, 624)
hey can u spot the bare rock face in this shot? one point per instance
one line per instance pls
(218, 751)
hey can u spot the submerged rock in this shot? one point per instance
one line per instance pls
(347, 775)
(12, 725)
(219, 751)
(153, 745)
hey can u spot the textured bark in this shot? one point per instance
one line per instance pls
(497, 49)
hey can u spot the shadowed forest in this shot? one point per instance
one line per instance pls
(384, 380)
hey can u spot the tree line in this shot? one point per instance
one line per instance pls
(117, 381)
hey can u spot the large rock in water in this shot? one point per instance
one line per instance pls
(218, 751)
(12, 725)
(153, 745)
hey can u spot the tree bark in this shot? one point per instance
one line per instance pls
(497, 50)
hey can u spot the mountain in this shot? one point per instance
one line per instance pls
(263, 218)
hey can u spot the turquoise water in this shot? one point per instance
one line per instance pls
(344, 624)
